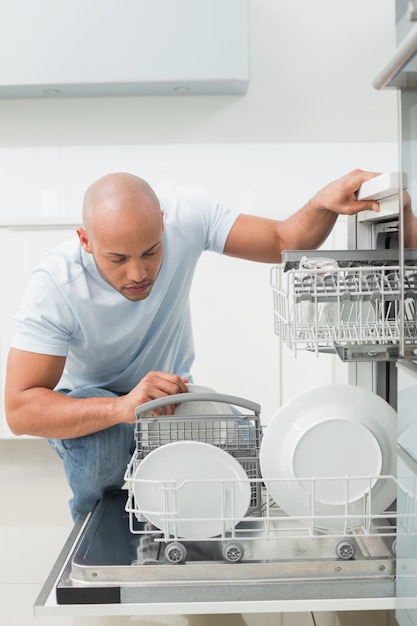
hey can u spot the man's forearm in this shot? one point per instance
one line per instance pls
(45, 413)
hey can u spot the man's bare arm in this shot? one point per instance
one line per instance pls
(34, 408)
(260, 239)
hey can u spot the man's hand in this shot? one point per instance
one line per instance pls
(340, 196)
(154, 385)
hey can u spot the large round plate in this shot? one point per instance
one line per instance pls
(331, 433)
(208, 490)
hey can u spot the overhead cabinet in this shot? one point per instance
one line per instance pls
(123, 47)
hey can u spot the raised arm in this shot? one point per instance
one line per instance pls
(33, 408)
(261, 239)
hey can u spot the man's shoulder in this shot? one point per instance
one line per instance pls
(201, 223)
(63, 262)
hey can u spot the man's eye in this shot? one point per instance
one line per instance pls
(118, 260)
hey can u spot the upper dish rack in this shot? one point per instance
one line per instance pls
(355, 308)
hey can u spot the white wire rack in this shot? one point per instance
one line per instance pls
(346, 523)
(350, 306)
(342, 509)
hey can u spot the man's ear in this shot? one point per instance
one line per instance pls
(84, 240)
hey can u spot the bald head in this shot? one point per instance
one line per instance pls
(114, 194)
(123, 230)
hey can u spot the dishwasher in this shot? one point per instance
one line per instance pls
(139, 553)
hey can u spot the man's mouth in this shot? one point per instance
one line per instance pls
(138, 287)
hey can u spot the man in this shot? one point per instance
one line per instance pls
(105, 324)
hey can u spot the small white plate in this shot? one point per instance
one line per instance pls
(191, 489)
(331, 433)
(201, 407)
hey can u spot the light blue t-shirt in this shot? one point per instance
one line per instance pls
(108, 341)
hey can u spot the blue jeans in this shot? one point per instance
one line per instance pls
(97, 462)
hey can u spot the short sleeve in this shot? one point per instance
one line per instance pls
(45, 322)
(205, 224)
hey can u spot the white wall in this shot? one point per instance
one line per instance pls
(310, 115)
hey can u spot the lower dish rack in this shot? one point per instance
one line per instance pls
(357, 309)
(263, 531)
(268, 556)
(269, 533)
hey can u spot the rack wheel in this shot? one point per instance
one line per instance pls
(233, 552)
(345, 550)
(175, 552)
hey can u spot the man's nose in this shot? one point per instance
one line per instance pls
(137, 271)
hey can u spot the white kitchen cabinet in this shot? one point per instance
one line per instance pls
(123, 47)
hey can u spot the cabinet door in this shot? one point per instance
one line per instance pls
(20, 250)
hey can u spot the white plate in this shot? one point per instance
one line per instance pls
(202, 408)
(208, 490)
(330, 433)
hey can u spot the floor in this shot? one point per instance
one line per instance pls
(34, 524)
